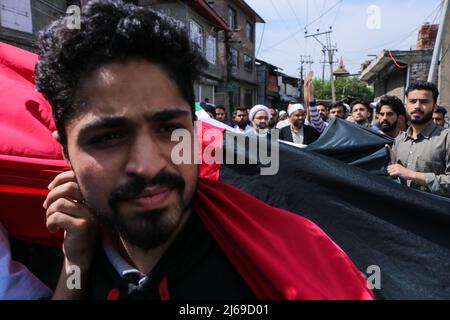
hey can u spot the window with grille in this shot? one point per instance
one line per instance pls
(196, 32)
(248, 63)
(232, 18)
(16, 15)
(249, 31)
(211, 49)
(234, 57)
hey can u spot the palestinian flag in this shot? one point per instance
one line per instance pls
(383, 226)
(380, 224)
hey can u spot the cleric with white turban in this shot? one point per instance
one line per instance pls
(256, 109)
(294, 107)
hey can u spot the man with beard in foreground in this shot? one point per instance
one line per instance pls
(119, 87)
(421, 155)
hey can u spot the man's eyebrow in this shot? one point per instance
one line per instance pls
(109, 122)
(104, 123)
(167, 115)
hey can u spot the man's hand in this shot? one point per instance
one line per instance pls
(397, 170)
(66, 211)
(392, 154)
(309, 87)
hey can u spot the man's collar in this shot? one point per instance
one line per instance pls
(426, 132)
(122, 267)
(429, 130)
(365, 124)
(299, 130)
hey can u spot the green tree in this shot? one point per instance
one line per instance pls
(348, 87)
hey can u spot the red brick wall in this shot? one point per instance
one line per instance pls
(427, 36)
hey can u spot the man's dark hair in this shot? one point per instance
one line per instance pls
(338, 104)
(424, 85)
(359, 101)
(208, 107)
(394, 102)
(110, 31)
(241, 109)
(441, 110)
(220, 107)
(323, 103)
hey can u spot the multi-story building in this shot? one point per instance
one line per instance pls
(207, 31)
(268, 92)
(21, 21)
(289, 90)
(276, 89)
(240, 89)
(223, 30)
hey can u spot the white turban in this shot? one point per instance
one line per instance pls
(256, 109)
(295, 107)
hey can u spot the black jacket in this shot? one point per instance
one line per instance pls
(310, 134)
(194, 267)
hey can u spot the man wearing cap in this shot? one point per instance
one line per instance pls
(298, 132)
(260, 117)
(283, 120)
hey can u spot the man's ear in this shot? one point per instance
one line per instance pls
(65, 155)
(55, 135)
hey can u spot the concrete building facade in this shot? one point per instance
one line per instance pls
(240, 89)
(392, 72)
(21, 21)
(207, 31)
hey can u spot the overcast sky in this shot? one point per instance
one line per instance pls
(356, 30)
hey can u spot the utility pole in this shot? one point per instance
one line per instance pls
(438, 45)
(307, 60)
(330, 49)
(323, 62)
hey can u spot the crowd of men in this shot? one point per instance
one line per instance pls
(139, 226)
(421, 153)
